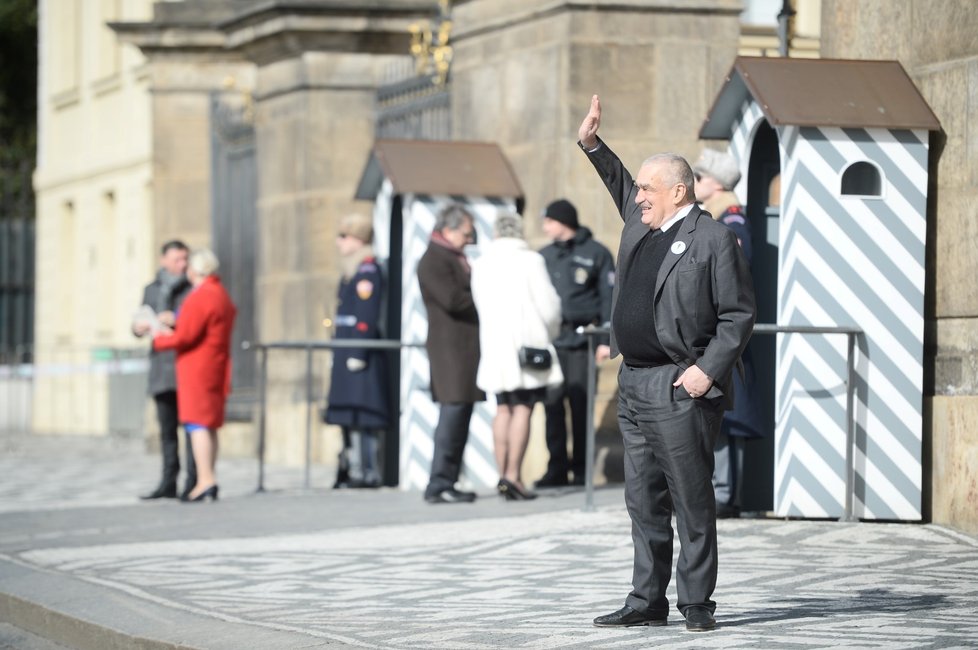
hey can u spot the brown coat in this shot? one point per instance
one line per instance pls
(453, 325)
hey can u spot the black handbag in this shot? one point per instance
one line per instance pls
(535, 358)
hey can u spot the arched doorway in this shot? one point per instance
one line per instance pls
(763, 213)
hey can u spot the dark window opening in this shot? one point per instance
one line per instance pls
(862, 179)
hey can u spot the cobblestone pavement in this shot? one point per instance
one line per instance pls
(384, 570)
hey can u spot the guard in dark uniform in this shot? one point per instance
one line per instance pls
(358, 399)
(583, 273)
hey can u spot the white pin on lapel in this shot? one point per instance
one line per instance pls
(678, 247)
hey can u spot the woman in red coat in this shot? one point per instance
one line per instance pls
(202, 339)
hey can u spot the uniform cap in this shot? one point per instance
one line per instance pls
(720, 166)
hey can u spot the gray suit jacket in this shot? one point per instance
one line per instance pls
(704, 295)
(162, 374)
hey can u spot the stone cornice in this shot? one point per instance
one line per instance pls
(265, 31)
(280, 29)
(153, 38)
(477, 20)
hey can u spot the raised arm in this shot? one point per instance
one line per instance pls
(616, 178)
(588, 133)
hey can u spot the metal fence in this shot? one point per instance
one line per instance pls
(17, 232)
(311, 395)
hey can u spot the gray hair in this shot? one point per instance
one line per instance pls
(675, 170)
(508, 224)
(203, 262)
(452, 216)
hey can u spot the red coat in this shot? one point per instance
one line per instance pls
(202, 339)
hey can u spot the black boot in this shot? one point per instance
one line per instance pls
(342, 471)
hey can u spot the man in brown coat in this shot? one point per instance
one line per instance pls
(453, 347)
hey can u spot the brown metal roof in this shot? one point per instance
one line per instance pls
(439, 167)
(820, 92)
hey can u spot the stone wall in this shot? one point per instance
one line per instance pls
(936, 43)
(523, 75)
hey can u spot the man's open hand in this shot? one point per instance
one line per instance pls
(588, 133)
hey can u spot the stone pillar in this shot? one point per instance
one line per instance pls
(935, 42)
(524, 72)
(317, 76)
(523, 75)
(188, 64)
(187, 61)
(182, 89)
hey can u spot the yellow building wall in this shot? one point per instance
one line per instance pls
(93, 188)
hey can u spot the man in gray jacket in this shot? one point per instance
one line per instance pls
(164, 295)
(682, 312)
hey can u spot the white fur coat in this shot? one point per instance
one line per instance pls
(517, 306)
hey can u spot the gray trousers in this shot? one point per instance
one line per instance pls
(668, 440)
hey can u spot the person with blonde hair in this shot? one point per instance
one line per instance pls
(358, 398)
(201, 337)
(519, 316)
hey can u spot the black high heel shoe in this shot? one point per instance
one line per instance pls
(504, 491)
(209, 492)
(514, 492)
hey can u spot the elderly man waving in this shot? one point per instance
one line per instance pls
(682, 312)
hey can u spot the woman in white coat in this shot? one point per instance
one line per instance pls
(518, 307)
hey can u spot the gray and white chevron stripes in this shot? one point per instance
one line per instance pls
(419, 414)
(847, 260)
(741, 141)
(851, 260)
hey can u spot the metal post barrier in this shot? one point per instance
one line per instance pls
(262, 381)
(309, 347)
(850, 429)
(592, 389)
(309, 401)
(759, 328)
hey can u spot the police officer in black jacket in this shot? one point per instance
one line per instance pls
(583, 273)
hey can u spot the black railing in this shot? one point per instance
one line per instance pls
(309, 347)
(591, 332)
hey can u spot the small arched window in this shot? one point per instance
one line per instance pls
(862, 179)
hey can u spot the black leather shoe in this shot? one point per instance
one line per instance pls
(549, 481)
(699, 619)
(628, 617)
(450, 495)
(161, 493)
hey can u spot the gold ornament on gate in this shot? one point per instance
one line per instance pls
(429, 45)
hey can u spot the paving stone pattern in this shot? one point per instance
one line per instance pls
(494, 577)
